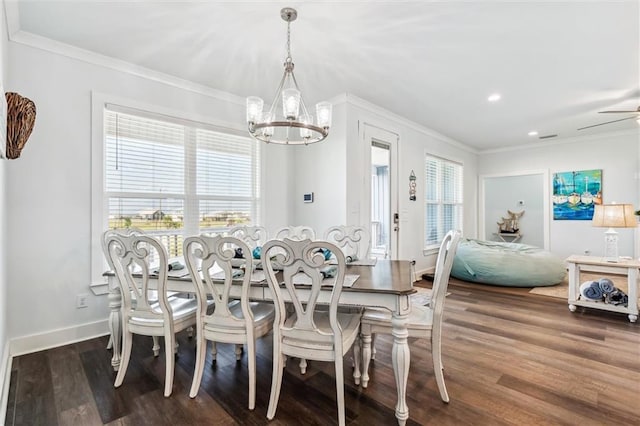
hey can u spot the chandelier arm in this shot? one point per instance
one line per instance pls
(272, 109)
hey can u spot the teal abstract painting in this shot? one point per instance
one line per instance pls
(576, 193)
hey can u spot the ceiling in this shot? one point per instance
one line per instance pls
(555, 64)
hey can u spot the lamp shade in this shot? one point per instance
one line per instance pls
(614, 216)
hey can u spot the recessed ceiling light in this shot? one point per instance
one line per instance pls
(495, 97)
(533, 133)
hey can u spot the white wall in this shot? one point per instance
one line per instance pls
(321, 168)
(615, 153)
(49, 188)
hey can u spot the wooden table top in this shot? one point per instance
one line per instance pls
(387, 276)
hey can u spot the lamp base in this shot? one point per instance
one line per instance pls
(610, 245)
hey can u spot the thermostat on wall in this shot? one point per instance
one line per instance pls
(308, 198)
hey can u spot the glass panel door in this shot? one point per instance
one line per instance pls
(381, 223)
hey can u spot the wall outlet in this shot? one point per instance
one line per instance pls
(82, 300)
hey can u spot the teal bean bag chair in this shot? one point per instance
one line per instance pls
(506, 264)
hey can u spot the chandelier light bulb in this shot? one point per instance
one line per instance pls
(304, 132)
(267, 131)
(254, 109)
(290, 103)
(323, 111)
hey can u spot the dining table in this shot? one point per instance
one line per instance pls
(385, 283)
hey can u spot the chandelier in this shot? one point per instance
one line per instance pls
(292, 125)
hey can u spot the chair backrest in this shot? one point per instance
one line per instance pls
(253, 236)
(303, 261)
(123, 231)
(353, 240)
(209, 260)
(296, 233)
(136, 259)
(444, 263)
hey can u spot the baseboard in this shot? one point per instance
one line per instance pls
(5, 378)
(428, 271)
(60, 337)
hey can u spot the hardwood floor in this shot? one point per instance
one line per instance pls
(511, 358)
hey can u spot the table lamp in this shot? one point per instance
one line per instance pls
(613, 216)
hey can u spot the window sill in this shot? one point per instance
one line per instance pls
(430, 251)
(99, 288)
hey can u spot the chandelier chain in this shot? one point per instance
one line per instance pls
(289, 59)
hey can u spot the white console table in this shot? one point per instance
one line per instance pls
(508, 237)
(629, 268)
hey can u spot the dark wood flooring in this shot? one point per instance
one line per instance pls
(511, 358)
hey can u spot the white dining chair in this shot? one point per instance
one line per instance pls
(309, 333)
(423, 322)
(253, 236)
(146, 309)
(296, 233)
(354, 241)
(103, 241)
(127, 231)
(209, 260)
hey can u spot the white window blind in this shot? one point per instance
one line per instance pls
(443, 198)
(176, 178)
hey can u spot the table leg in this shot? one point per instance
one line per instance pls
(115, 321)
(632, 284)
(401, 358)
(574, 277)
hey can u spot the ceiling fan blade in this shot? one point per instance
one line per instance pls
(606, 122)
(618, 112)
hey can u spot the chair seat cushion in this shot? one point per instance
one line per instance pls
(263, 316)
(350, 324)
(261, 311)
(182, 308)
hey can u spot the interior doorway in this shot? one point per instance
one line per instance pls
(524, 192)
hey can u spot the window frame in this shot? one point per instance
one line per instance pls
(99, 196)
(433, 248)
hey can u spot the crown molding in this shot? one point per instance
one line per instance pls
(368, 106)
(546, 144)
(63, 49)
(32, 40)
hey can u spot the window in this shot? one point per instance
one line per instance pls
(173, 178)
(443, 199)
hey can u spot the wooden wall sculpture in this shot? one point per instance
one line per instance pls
(21, 116)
